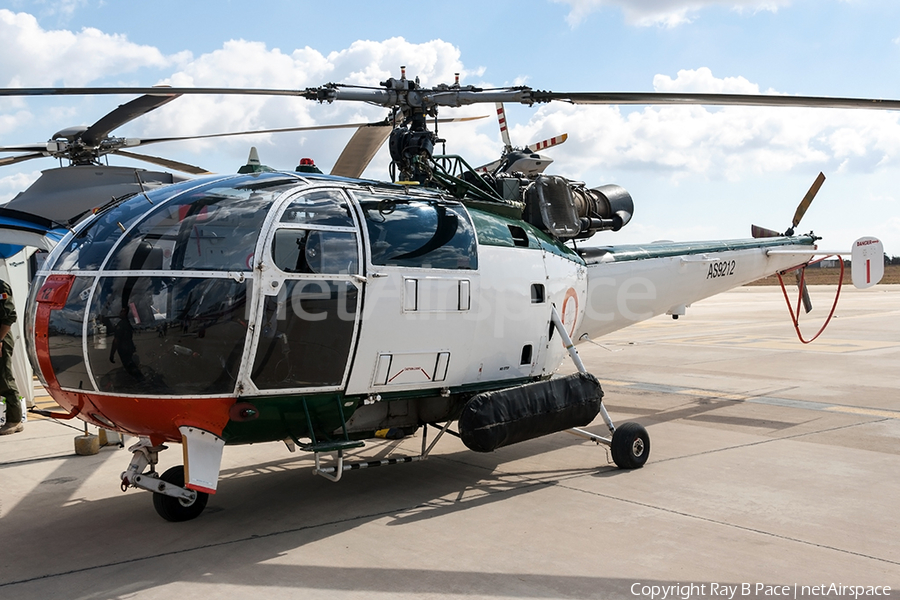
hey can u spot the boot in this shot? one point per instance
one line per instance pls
(11, 428)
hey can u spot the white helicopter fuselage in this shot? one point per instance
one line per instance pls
(276, 306)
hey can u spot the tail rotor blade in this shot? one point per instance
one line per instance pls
(807, 200)
(548, 143)
(804, 291)
(504, 132)
(761, 232)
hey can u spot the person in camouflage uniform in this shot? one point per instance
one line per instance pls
(7, 382)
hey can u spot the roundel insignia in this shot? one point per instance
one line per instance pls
(249, 261)
(570, 311)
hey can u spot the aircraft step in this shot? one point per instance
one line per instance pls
(332, 445)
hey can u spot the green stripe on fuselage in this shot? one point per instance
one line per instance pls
(281, 417)
(494, 230)
(623, 253)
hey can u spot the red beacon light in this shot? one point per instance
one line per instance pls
(307, 165)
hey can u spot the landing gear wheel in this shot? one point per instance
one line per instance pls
(630, 446)
(176, 509)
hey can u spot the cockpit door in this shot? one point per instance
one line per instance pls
(422, 275)
(310, 296)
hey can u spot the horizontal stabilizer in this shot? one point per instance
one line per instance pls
(867, 262)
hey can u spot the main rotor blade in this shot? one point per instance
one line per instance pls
(489, 168)
(125, 91)
(461, 119)
(361, 149)
(165, 162)
(129, 111)
(26, 148)
(11, 160)
(807, 200)
(468, 95)
(144, 141)
(714, 99)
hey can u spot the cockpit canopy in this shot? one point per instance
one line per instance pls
(165, 284)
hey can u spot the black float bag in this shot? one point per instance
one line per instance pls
(492, 420)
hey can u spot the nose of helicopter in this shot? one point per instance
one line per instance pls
(158, 418)
(141, 323)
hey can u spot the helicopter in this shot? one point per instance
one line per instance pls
(322, 311)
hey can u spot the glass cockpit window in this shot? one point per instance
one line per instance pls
(167, 335)
(214, 227)
(306, 334)
(409, 232)
(315, 251)
(64, 337)
(88, 249)
(321, 207)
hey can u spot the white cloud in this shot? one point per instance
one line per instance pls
(241, 63)
(11, 185)
(668, 13)
(12, 118)
(34, 56)
(703, 80)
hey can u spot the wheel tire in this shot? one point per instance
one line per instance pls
(175, 509)
(630, 446)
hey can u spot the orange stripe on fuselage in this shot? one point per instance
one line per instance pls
(156, 418)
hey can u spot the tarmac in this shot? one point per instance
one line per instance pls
(773, 472)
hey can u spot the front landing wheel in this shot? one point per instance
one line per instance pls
(630, 446)
(176, 509)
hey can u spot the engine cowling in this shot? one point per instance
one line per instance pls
(610, 204)
(569, 210)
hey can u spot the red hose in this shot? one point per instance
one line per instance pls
(796, 318)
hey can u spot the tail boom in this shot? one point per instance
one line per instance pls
(628, 284)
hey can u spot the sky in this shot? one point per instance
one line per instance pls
(695, 173)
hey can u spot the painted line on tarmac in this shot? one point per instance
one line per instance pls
(869, 412)
(767, 400)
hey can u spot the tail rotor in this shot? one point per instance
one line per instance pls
(761, 232)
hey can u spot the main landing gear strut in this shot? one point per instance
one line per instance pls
(630, 442)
